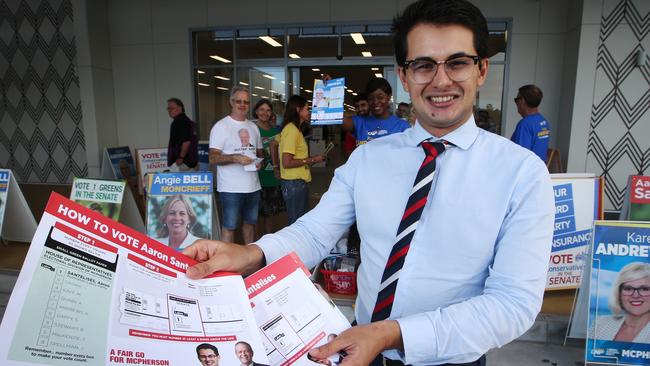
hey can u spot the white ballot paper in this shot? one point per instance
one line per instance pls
(291, 314)
(95, 292)
(252, 167)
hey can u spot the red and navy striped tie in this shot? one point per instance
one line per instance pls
(406, 230)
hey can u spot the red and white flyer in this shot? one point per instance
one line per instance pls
(292, 315)
(95, 292)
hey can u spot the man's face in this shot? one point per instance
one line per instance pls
(244, 354)
(207, 357)
(361, 107)
(239, 104)
(402, 111)
(521, 105)
(244, 137)
(442, 105)
(173, 109)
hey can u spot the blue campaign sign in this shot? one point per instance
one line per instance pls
(121, 161)
(204, 154)
(564, 225)
(180, 183)
(619, 294)
(563, 192)
(564, 209)
(4, 179)
(327, 103)
(571, 240)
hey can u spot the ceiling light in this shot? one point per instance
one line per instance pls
(294, 55)
(282, 81)
(221, 77)
(200, 72)
(222, 88)
(379, 75)
(259, 87)
(269, 76)
(315, 69)
(374, 68)
(358, 38)
(272, 91)
(366, 54)
(350, 91)
(243, 83)
(255, 95)
(219, 58)
(355, 94)
(270, 41)
(308, 91)
(203, 84)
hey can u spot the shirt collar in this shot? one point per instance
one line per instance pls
(462, 137)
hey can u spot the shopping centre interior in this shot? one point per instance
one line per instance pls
(80, 76)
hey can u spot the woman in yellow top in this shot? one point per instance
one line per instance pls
(295, 159)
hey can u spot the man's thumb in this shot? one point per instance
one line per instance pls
(199, 270)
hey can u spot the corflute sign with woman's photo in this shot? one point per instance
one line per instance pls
(619, 297)
(180, 208)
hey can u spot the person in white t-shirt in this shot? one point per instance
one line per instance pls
(235, 143)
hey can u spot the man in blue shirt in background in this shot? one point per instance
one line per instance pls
(532, 131)
(474, 273)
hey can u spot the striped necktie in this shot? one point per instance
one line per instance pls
(406, 230)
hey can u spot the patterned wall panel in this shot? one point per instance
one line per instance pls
(41, 137)
(619, 136)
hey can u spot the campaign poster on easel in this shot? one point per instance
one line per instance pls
(619, 294)
(204, 156)
(578, 202)
(180, 208)
(150, 161)
(20, 225)
(118, 163)
(103, 196)
(327, 102)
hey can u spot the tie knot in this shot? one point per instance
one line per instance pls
(434, 148)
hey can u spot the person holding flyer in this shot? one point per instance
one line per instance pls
(456, 223)
(380, 122)
(630, 306)
(294, 158)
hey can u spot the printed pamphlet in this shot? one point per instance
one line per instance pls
(327, 102)
(150, 161)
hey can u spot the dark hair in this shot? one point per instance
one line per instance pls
(178, 103)
(360, 97)
(532, 95)
(378, 83)
(259, 104)
(206, 346)
(291, 110)
(440, 12)
(404, 104)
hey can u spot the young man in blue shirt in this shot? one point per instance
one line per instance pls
(474, 275)
(532, 131)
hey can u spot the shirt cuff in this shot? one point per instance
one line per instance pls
(419, 339)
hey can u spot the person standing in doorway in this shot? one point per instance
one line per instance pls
(271, 202)
(532, 131)
(183, 147)
(294, 158)
(235, 142)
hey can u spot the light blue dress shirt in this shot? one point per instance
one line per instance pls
(475, 273)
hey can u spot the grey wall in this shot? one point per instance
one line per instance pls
(41, 136)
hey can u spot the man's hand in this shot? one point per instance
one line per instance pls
(362, 343)
(242, 159)
(317, 159)
(215, 255)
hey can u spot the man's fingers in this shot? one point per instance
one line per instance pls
(325, 350)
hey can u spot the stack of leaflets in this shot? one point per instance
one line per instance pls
(95, 292)
(636, 204)
(103, 196)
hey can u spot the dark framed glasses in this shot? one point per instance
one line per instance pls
(423, 69)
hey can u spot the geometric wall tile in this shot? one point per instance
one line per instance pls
(40, 110)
